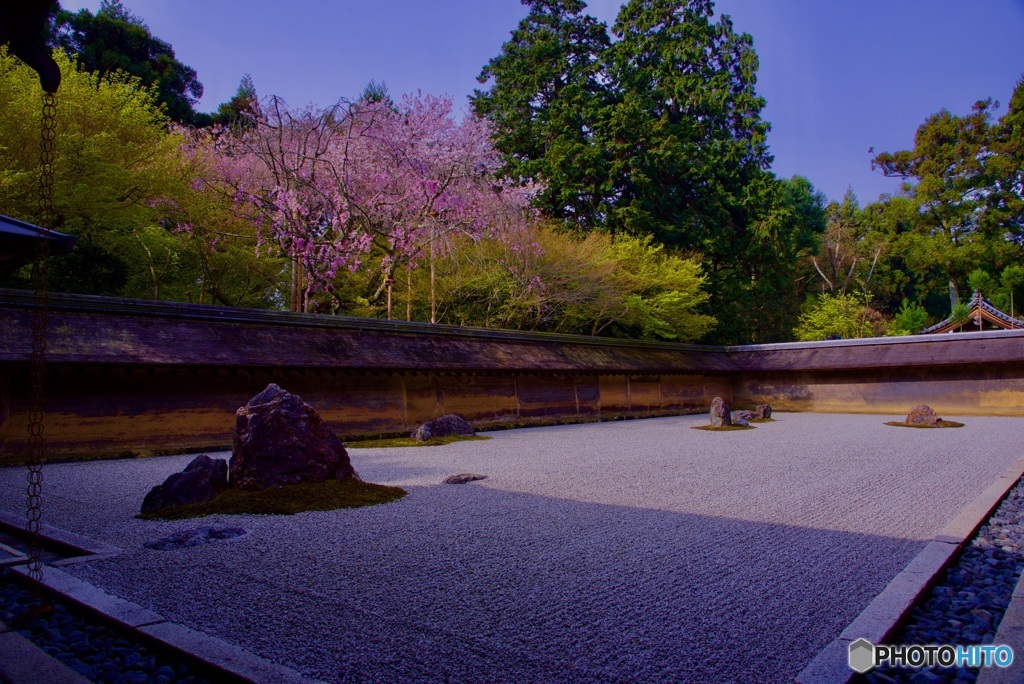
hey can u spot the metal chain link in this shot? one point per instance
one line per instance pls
(37, 361)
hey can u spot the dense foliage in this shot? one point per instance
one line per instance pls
(115, 40)
(125, 189)
(610, 181)
(654, 128)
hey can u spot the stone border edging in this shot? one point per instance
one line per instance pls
(90, 548)
(210, 650)
(26, 663)
(887, 610)
(1011, 633)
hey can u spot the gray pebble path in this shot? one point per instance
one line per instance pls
(637, 551)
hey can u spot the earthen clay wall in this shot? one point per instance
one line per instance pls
(142, 376)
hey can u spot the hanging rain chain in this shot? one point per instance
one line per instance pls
(37, 361)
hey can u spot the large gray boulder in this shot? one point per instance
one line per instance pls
(442, 427)
(282, 440)
(201, 480)
(719, 414)
(763, 411)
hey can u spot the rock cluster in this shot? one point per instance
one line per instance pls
(279, 440)
(443, 427)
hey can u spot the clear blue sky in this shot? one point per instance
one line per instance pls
(839, 77)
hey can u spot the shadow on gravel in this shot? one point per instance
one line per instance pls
(476, 584)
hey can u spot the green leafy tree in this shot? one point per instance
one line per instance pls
(239, 110)
(114, 39)
(376, 92)
(556, 281)
(1004, 196)
(688, 145)
(979, 280)
(953, 177)
(686, 135)
(546, 96)
(125, 188)
(1011, 279)
(783, 239)
(911, 318)
(839, 316)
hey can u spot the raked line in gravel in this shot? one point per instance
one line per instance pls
(630, 551)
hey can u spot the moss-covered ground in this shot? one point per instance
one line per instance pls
(941, 424)
(328, 495)
(391, 442)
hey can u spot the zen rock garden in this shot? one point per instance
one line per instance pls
(924, 416)
(722, 417)
(279, 441)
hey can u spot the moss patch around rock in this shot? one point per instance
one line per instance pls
(388, 443)
(724, 428)
(328, 495)
(941, 424)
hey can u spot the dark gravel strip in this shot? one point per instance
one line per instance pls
(968, 604)
(98, 651)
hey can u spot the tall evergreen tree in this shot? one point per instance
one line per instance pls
(688, 146)
(546, 96)
(962, 181)
(686, 134)
(114, 39)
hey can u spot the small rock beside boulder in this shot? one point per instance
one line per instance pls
(763, 411)
(202, 479)
(463, 478)
(443, 427)
(282, 440)
(922, 414)
(742, 415)
(720, 415)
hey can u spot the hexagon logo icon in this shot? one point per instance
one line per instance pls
(862, 655)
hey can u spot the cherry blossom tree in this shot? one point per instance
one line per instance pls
(327, 186)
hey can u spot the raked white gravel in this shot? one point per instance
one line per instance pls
(638, 551)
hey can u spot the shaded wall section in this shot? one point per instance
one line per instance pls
(957, 374)
(137, 376)
(127, 375)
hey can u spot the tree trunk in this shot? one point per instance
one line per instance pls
(293, 300)
(433, 290)
(408, 294)
(954, 296)
(390, 284)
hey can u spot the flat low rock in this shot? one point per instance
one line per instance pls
(742, 415)
(194, 537)
(463, 478)
(201, 480)
(281, 440)
(922, 414)
(443, 427)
